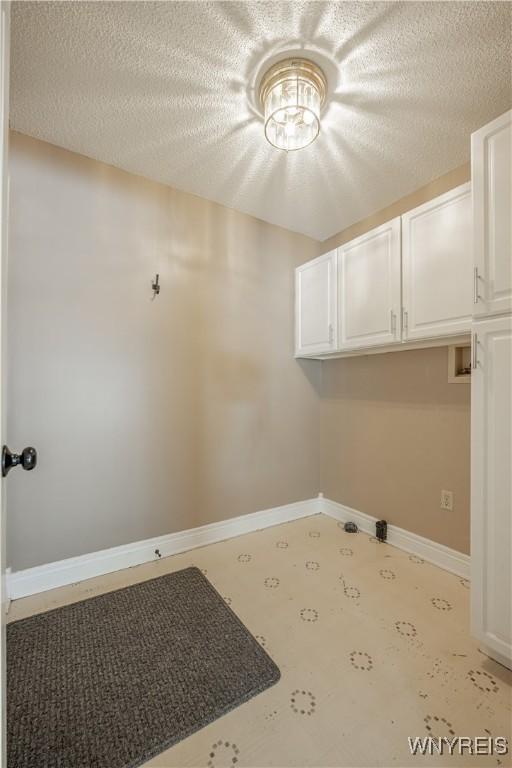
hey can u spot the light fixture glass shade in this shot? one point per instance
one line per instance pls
(292, 93)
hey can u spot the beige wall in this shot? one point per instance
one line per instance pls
(149, 416)
(155, 416)
(424, 194)
(394, 432)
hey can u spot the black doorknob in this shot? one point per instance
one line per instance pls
(27, 458)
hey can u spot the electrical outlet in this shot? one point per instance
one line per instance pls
(447, 500)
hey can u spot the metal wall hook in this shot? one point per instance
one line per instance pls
(155, 285)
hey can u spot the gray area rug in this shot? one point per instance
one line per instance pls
(111, 681)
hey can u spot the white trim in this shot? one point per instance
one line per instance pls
(397, 346)
(44, 577)
(438, 554)
(505, 661)
(5, 39)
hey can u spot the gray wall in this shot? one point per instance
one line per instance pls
(149, 416)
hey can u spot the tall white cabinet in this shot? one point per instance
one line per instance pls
(491, 168)
(491, 391)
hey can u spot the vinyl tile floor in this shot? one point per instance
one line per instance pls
(373, 646)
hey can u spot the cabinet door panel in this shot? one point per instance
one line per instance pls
(491, 497)
(491, 159)
(369, 288)
(437, 266)
(316, 306)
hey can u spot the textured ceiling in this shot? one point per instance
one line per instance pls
(167, 90)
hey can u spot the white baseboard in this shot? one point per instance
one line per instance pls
(505, 661)
(438, 554)
(44, 577)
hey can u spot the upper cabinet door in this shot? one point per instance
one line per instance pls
(369, 288)
(491, 170)
(316, 306)
(437, 267)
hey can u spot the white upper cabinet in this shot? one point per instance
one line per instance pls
(369, 288)
(437, 267)
(408, 282)
(491, 169)
(316, 306)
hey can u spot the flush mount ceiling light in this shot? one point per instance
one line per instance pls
(292, 93)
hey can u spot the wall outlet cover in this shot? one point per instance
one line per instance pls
(447, 500)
